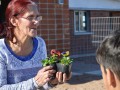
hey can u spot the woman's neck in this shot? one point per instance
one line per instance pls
(21, 47)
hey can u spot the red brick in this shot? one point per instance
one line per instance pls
(60, 47)
(52, 42)
(43, 1)
(66, 46)
(59, 36)
(43, 5)
(52, 36)
(59, 26)
(59, 21)
(52, 21)
(59, 31)
(65, 6)
(51, 11)
(66, 2)
(51, 1)
(43, 10)
(66, 26)
(51, 16)
(52, 32)
(44, 21)
(59, 41)
(51, 6)
(44, 32)
(67, 40)
(44, 27)
(45, 37)
(52, 46)
(51, 26)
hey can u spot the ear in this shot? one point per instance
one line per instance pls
(111, 78)
(13, 20)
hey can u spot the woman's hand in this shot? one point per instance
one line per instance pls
(43, 75)
(60, 78)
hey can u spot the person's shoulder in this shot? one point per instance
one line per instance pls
(1, 42)
(2, 47)
(40, 39)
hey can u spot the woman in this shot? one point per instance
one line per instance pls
(21, 50)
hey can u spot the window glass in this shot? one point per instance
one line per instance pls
(77, 21)
(80, 23)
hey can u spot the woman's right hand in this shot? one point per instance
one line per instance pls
(43, 75)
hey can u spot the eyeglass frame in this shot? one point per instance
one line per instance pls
(33, 18)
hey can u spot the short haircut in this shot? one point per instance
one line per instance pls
(108, 53)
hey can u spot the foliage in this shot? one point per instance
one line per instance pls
(66, 60)
(57, 57)
(51, 59)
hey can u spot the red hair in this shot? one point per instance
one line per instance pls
(15, 8)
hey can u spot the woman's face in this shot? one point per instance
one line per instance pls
(28, 23)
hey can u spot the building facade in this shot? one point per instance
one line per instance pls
(66, 24)
(81, 33)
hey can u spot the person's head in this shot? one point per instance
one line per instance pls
(22, 19)
(108, 56)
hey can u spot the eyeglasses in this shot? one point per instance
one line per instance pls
(32, 18)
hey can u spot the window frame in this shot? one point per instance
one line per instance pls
(61, 1)
(85, 31)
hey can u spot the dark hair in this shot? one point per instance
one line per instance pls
(15, 8)
(108, 53)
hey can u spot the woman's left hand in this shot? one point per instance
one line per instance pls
(60, 78)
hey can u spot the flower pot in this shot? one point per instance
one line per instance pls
(64, 68)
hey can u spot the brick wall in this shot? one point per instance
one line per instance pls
(99, 13)
(54, 28)
(80, 44)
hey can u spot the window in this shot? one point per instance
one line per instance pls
(60, 1)
(80, 21)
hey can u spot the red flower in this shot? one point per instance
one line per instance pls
(58, 53)
(55, 52)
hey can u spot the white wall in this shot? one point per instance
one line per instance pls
(95, 4)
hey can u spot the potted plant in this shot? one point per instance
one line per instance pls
(51, 60)
(65, 63)
(61, 62)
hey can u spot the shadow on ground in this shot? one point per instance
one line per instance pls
(81, 79)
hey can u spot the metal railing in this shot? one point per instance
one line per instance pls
(103, 26)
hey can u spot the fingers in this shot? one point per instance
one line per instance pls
(62, 77)
(44, 75)
(42, 81)
(49, 73)
(47, 68)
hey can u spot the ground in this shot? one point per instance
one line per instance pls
(82, 82)
(86, 76)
